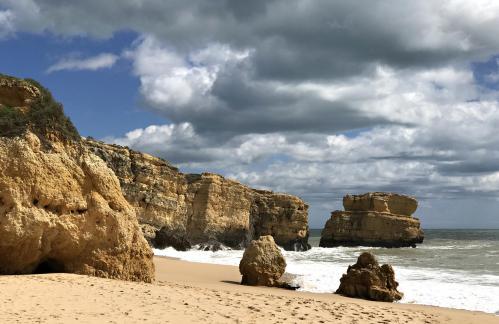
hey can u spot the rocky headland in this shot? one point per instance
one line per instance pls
(374, 219)
(180, 210)
(61, 207)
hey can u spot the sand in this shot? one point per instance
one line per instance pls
(187, 292)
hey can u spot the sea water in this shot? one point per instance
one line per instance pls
(452, 268)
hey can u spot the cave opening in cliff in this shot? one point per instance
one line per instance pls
(49, 266)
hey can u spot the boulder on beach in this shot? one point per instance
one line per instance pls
(374, 219)
(263, 263)
(367, 280)
(61, 207)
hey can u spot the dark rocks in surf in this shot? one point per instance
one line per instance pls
(166, 237)
(367, 280)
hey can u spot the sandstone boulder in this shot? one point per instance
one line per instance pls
(367, 280)
(374, 219)
(202, 208)
(262, 264)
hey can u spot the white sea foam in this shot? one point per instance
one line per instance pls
(319, 270)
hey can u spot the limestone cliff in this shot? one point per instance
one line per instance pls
(179, 209)
(374, 219)
(61, 207)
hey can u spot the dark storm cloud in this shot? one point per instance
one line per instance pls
(469, 167)
(252, 107)
(291, 42)
(293, 39)
(302, 116)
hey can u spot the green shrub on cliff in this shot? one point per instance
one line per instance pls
(45, 116)
(12, 122)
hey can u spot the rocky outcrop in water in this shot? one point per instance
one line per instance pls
(262, 264)
(61, 207)
(367, 280)
(374, 219)
(179, 209)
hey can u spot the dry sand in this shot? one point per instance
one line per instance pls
(187, 292)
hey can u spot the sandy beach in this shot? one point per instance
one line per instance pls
(186, 292)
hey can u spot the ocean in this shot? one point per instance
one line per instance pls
(452, 268)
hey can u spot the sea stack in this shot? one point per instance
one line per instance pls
(374, 219)
(61, 207)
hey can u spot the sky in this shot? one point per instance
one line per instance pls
(315, 98)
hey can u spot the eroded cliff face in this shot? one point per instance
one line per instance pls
(62, 210)
(61, 207)
(175, 208)
(374, 219)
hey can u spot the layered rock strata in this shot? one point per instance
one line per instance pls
(61, 207)
(367, 280)
(180, 210)
(374, 219)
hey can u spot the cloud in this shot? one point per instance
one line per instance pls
(173, 81)
(214, 89)
(317, 98)
(295, 39)
(440, 142)
(101, 61)
(6, 23)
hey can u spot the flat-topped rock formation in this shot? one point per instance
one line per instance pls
(180, 210)
(381, 202)
(374, 219)
(61, 207)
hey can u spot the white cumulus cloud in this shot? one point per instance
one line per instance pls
(170, 80)
(101, 61)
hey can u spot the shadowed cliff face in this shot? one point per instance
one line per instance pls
(201, 208)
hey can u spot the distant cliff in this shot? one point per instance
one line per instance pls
(179, 209)
(374, 219)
